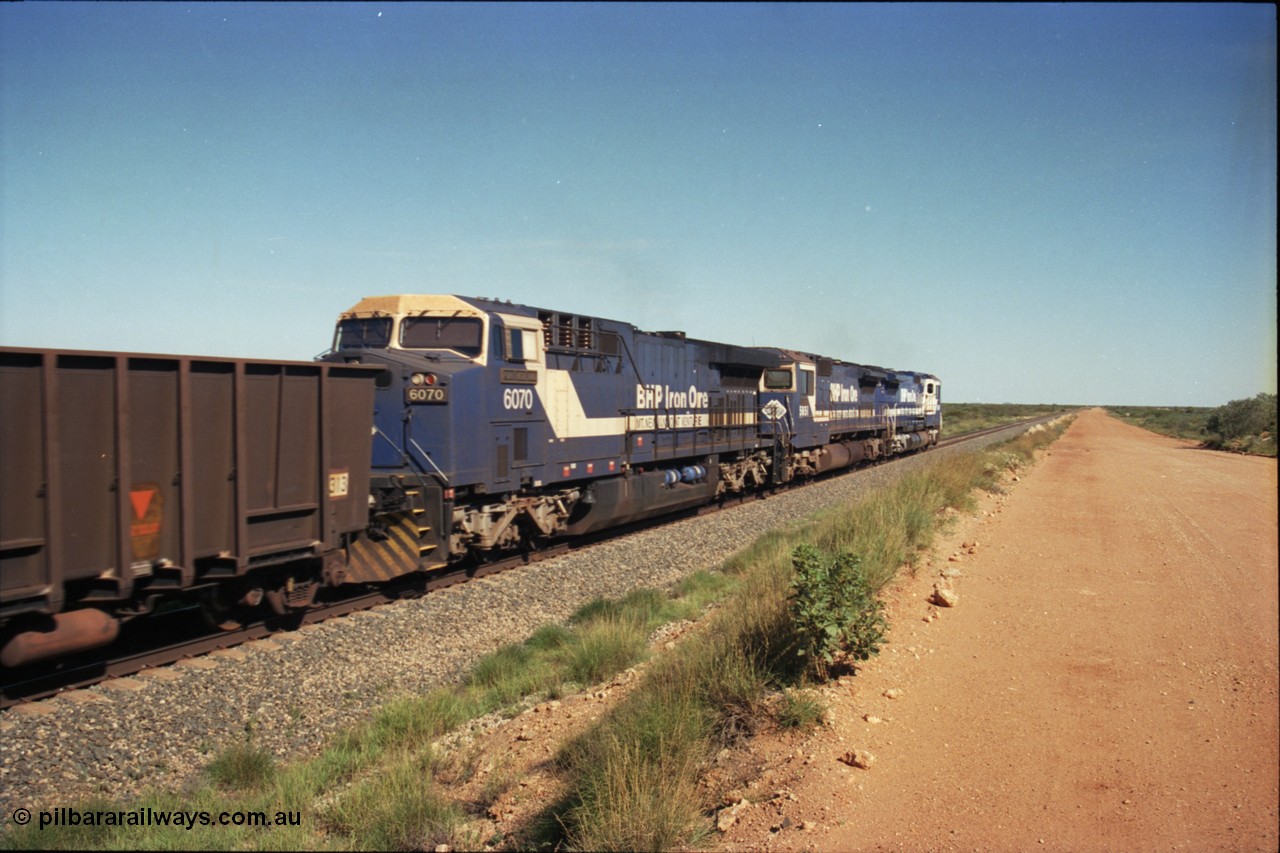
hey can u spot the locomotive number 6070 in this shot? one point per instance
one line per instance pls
(517, 398)
(418, 394)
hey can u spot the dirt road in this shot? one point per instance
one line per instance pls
(1108, 680)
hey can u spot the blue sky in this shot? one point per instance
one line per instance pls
(1039, 203)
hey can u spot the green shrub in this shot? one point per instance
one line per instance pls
(833, 608)
(1242, 426)
(1241, 418)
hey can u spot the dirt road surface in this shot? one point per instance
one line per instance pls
(1107, 681)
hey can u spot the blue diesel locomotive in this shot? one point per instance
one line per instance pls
(498, 426)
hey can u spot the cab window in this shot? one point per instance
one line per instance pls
(777, 380)
(463, 335)
(364, 333)
(806, 383)
(520, 345)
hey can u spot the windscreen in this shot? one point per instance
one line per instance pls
(364, 333)
(463, 335)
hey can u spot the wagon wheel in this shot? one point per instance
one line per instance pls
(217, 612)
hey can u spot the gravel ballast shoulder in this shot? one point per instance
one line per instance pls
(292, 693)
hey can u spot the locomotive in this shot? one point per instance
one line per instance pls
(497, 426)
(437, 430)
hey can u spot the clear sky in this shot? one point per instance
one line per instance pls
(1039, 203)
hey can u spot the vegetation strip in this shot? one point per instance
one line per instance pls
(635, 778)
(963, 418)
(636, 775)
(1241, 426)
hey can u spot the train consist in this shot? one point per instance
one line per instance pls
(437, 430)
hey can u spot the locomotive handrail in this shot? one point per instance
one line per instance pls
(407, 457)
(397, 448)
(630, 359)
(427, 457)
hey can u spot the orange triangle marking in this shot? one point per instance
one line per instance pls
(141, 502)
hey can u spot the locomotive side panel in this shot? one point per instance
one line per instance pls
(589, 364)
(692, 399)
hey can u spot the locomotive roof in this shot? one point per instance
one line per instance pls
(883, 372)
(417, 303)
(414, 303)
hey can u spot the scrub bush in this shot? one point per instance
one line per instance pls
(833, 608)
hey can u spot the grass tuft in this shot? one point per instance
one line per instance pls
(635, 800)
(800, 711)
(241, 767)
(398, 808)
(603, 647)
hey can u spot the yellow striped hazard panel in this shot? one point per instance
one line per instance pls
(403, 551)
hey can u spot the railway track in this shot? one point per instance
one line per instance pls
(81, 672)
(981, 433)
(92, 668)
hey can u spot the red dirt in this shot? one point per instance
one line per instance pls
(1107, 681)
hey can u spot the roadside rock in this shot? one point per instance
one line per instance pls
(859, 758)
(729, 816)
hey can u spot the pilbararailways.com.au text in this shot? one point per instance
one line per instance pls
(147, 816)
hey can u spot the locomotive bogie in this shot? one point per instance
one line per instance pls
(515, 521)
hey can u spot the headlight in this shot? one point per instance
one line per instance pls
(423, 379)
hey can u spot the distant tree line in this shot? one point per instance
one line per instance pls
(1244, 425)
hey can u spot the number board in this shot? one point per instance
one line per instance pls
(419, 394)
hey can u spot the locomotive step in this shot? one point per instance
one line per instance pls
(413, 494)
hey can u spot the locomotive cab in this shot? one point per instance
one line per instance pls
(434, 404)
(458, 422)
